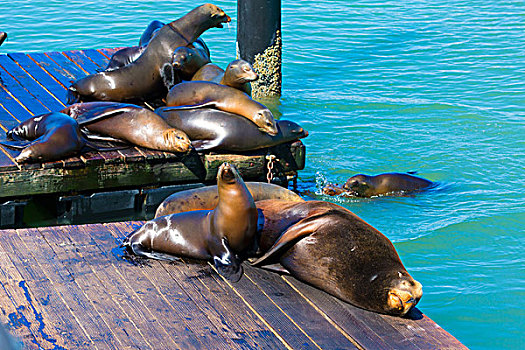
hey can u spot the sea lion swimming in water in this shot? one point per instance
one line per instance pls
(143, 78)
(238, 74)
(387, 183)
(51, 136)
(126, 122)
(331, 248)
(207, 94)
(212, 129)
(225, 234)
(3, 36)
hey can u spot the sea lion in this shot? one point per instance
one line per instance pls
(238, 74)
(151, 30)
(225, 98)
(334, 190)
(124, 57)
(225, 234)
(331, 248)
(211, 129)
(54, 136)
(207, 197)
(3, 36)
(368, 186)
(130, 123)
(143, 78)
(187, 61)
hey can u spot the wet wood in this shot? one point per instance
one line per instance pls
(71, 287)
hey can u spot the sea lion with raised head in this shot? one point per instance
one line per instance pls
(129, 123)
(212, 129)
(238, 74)
(144, 78)
(225, 234)
(331, 248)
(207, 94)
(207, 197)
(46, 137)
(387, 183)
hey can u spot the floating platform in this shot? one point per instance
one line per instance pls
(69, 287)
(36, 83)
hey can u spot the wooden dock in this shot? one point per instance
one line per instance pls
(36, 83)
(69, 287)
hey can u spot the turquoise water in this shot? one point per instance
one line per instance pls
(436, 87)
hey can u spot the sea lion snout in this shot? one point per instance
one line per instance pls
(227, 173)
(403, 297)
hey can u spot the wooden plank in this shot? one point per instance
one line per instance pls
(21, 95)
(34, 87)
(67, 65)
(63, 281)
(192, 279)
(23, 316)
(63, 77)
(54, 318)
(299, 311)
(210, 334)
(97, 57)
(81, 60)
(368, 328)
(52, 84)
(116, 308)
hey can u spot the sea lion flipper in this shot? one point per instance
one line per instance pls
(204, 104)
(226, 262)
(300, 230)
(203, 145)
(139, 249)
(16, 144)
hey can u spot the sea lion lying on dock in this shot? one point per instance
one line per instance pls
(207, 94)
(212, 129)
(143, 78)
(126, 122)
(225, 234)
(238, 74)
(46, 137)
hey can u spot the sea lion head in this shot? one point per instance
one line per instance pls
(290, 130)
(228, 174)
(217, 15)
(182, 55)
(402, 295)
(388, 291)
(263, 118)
(176, 140)
(241, 71)
(358, 185)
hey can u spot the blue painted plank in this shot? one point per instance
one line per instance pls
(97, 57)
(50, 66)
(40, 74)
(82, 60)
(66, 64)
(21, 95)
(30, 84)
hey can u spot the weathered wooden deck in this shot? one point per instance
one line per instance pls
(68, 287)
(36, 83)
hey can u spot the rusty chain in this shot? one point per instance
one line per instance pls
(271, 160)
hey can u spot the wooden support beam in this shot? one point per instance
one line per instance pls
(259, 42)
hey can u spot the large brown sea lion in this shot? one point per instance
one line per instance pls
(54, 136)
(130, 123)
(388, 183)
(331, 248)
(225, 98)
(211, 129)
(238, 74)
(207, 197)
(143, 78)
(225, 234)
